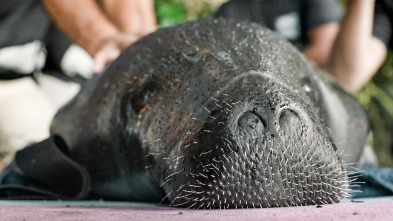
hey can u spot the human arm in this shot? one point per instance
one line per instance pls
(320, 25)
(320, 44)
(356, 54)
(135, 16)
(82, 21)
(88, 26)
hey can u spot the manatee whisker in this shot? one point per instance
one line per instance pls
(165, 197)
(207, 152)
(166, 181)
(180, 204)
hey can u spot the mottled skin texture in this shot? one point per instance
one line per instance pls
(213, 114)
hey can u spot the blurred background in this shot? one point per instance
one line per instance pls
(376, 96)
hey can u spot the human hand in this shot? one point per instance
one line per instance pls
(110, 49)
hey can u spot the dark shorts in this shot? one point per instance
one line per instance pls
(383, 22)
(23, 21)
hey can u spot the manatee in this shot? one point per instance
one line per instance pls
(206, 114)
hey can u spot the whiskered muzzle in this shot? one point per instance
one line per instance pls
(251, 171)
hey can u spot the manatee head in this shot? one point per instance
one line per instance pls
(237, 123)
(260, 144)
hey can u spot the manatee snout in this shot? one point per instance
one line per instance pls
(258, 154)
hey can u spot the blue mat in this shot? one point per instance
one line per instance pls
(373, 182)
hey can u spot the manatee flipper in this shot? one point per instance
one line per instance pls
(346, 118)
(41, 171)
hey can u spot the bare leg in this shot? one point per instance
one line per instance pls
(25, 115)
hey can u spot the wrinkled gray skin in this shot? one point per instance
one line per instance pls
(214, 114)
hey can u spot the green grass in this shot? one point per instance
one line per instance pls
(170, 12)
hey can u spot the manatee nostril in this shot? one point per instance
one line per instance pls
(249, 120)
(289, 121)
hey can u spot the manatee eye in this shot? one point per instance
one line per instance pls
(140, 100)
(306, 84)
(136, 102)
(309, 87)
